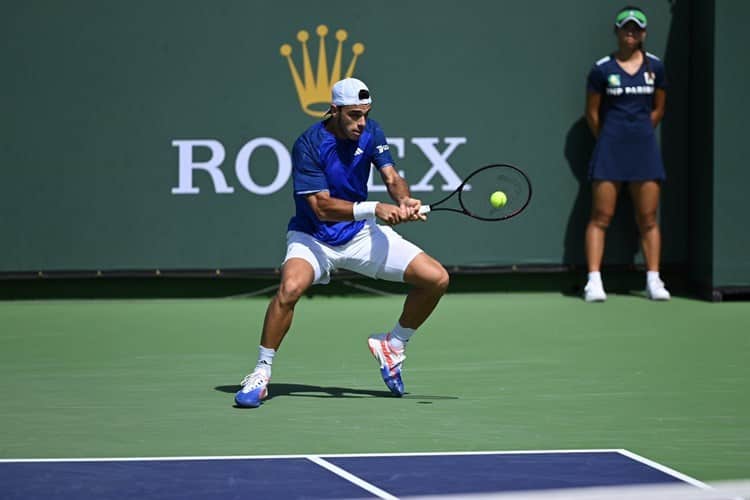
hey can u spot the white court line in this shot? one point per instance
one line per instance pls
(371, 488)
(324, 455)
(629, 454)
(665, 469)
(319, 460)
(725, 490)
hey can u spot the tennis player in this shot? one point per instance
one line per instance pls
(624, 104)
(335, 227)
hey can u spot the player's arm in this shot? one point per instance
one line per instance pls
(660, 101)
(593, 101)
(330, 209)
(399, 191)
(310, 181)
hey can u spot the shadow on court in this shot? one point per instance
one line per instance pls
(316, 391)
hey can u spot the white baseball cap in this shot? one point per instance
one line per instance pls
(350, 92)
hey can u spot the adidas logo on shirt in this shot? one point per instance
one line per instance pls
(358, 152)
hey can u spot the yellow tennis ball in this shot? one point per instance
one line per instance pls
(498, 199)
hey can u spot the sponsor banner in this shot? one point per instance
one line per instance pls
(159, 136)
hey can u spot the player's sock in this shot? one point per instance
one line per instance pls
(265, 360)
(652, 276)
(400, 336)
(594, 289)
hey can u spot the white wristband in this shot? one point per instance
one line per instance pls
(364, 210)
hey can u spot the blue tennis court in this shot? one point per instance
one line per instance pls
(330, 476)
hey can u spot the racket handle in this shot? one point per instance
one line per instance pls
(424, 209)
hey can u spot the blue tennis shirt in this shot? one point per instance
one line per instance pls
(323, 162)
(627, 100)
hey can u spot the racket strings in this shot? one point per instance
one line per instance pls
(477, 190)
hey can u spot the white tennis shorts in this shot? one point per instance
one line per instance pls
(375, 251)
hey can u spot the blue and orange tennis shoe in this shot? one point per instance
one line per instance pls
(254, 389)
(391, 361)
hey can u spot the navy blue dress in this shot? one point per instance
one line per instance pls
(626, 149)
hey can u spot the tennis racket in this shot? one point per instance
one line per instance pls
(475, 191)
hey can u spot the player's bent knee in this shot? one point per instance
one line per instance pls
(438, 279)
(290, 292)
(427, 273)
(442, 280)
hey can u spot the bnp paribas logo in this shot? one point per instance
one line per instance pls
(314, 85)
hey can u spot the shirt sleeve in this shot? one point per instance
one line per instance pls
(307, 173)
(596, 82)
(382, 154)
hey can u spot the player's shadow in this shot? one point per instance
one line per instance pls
(579, 143)
(315, 391)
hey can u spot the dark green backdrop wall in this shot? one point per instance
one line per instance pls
(107, 105)
(719, 106)
(731, 249)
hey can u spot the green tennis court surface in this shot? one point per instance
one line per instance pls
(487, 372)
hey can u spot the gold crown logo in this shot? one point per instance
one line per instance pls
(315, 91)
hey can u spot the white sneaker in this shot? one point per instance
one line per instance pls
(594, 291)
(655, 290)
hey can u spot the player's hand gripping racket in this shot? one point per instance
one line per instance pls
(475, 194)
